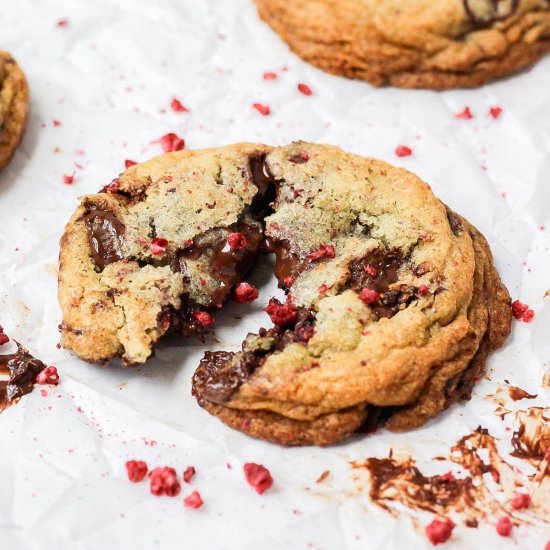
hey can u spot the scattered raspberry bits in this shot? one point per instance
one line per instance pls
(495, 111)
(49, 375)
(137, 470)
(4, 339)
(522, 312)
(369, 296)
(269, 76)
(56, 123)
(68, 179)
(128, 163)
(325, 251)
(504, 526)
(193, 500)
(63, 22)
(164, 481)
(520, 501)
(171, 142)
(258, 476)
(189, 473)
(245, 293)
(305, 89)
(177, 106)
(465, 114)
(236, 241)
(261, 108)
(403, 151)
(158, 246)
(439, 531)
(204, 318)
(281, 314)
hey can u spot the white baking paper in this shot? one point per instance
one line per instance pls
(108, 77)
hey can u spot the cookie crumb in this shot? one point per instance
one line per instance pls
(137, 470)
(258, 476)
(323, 476)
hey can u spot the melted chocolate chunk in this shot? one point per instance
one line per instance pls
(287, 264)
(517, 394)
(267, 185)
(487, 12)
(22, 368)
(456, 225)
(105, 236)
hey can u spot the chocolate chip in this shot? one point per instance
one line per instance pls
(105, 236)
(456, 225)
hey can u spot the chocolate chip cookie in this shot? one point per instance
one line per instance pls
(393, 304)
(414, 44)
(14, 105)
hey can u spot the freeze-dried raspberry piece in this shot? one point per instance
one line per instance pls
(369, 296)
(465, 114)
(288, 281)
(403, 151)
(137, 470)
(448, 476)
(158, 246)
(49, 375)
(245, 293)
(112, 187)
(504, 526)
(281, 314)
(128, 163)
(325, 251)
(177, 106)
(423, 290)
(62, 22)
(522, 312)
(258, 476)
(193, 500)
(164, 481)
(305, 334)
(439, 531)
(305, 89)
(262, 109)
(189, 473)
(3, 337)
(520, 501)
(236, 241)
(68, 179)
(171, 142)
(269, 76)
(204, 318)
(495, 111)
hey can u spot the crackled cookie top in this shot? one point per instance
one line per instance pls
(418, 43)
(14, 103)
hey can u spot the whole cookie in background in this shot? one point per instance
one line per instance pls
(416, 43)
(14, 106)
(393, 304)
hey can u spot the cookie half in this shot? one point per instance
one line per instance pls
(414, 44)
(393, 304)
(14, 106)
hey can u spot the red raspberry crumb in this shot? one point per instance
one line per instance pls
(204, 318)
(495, 112)
(236, 241)
(178, 106)
(193, 500)
(171, 142)
(448, 476)
(56, 123)
(137, 470)
(325, 251)
(68, 178)
(258, 476)
(62, 22)
(245, 293)
(371, 270)
(439, 531)
(281, 314)
(49, 375)
(520, 501)
(423, 290)
(288, 281)
(465, 114)
(262, 109)
(164, 481)
(128, 163)
(158, 246)
(504, 526)
(369, 296)
(522, 312)
(403, 151)
(547, 547)
(305, 89)
(269, 76)
(3, 337)
(189, 473)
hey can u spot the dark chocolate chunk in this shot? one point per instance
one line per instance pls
(456, 225)
(105, 236)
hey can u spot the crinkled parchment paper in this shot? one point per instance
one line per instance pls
(107, 77)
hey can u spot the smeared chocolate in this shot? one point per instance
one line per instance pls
(22, 369)
(267, 185)
(105, 236)
(517, 394)
(487, 12)
(531, 440)
(287, 264)
(456, 225)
